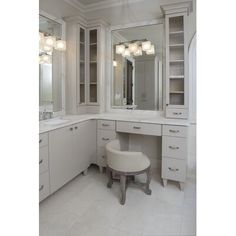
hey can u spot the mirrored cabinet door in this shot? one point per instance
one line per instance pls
(93, 64)
(82, 65)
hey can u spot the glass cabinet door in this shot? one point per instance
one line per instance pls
(93, 66)
(82, 65)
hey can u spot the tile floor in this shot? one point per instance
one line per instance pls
(86, 207)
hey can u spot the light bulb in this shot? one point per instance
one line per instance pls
(50, 41)
(120, 49)
(151, 50)
(46, 59)
(114, 63)
(133, 47)
(41, 60)
(146, 45)
(60, 45)
(47, 48)
(126, 53)
(138, 52)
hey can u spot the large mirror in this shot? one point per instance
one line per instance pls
(137, 67)
(50, 65)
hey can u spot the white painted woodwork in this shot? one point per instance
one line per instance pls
(177, 113)
(106, 124)
(174, 130)
(173, 169)
(138, 128)
(101, 156)
(43, 159)
(104, 137)
(174, 147)
(44, 189)
(43, 140)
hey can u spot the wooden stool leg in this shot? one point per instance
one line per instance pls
(109, 175)
(123, 189)
(147, 189)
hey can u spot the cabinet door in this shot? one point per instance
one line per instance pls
(84, 144)
(61, 161)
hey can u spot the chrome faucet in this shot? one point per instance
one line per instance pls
(44, 115)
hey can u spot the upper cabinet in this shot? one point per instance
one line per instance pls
(85, 67)
(177, 92)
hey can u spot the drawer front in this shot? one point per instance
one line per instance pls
(174, 147)
(177, 113)
(138, 128)
(173, 169)
(43, 139)
(175, 131)
(101, 156)
(106, 124)
(104, 137)
(43, 159)
(43, 186)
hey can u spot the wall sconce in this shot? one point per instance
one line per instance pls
(151, 50)
(146, 45)
(138, 52)
(120, 49)
(126, 53)
(45, 59)
(115, 63)
(50, 41)
(60, 45)
(133, 47)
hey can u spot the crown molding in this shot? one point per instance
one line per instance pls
(104, 4)
(177, 7)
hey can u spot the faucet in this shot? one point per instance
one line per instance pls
(44, 115)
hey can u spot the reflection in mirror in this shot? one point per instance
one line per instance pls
(137, 67)
(50, 64)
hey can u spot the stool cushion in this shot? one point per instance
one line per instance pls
(125, 161)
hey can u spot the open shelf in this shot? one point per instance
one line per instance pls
(177, 45)
(176, 76)
(177, 92)
(176, 32)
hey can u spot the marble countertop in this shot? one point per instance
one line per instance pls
(73, 119)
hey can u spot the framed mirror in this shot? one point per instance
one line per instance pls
(137, 67)
(51, 64)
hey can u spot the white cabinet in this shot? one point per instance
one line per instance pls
(44, 188)
(70, 152)
(176, 60)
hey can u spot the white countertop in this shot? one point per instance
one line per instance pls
(73, 119)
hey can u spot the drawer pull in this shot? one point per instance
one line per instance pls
(174, 170)
(71, 129)
(41, 187)
(136, 127)
(105, 139)
(40, 140)
(173, 148)
(105, 125)
(173, 131)
(177, 113)
(103, 156)
(41, 161)
(76, 127)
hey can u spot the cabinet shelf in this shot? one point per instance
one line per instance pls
(176, 32)
(176, 45)
(93, 61)
(177, 92)
(176, 61)
(93, 44)
(176, 76)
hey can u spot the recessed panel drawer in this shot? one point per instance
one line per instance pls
(173, 169)
(174, 147)
(177, 113)
(43, 139)
(43, 186)
(174, 130)
(138, 128)
(43, 159)
(106, 124)
(104, 137)
(101, 156)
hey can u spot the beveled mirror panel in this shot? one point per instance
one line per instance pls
(137, 67)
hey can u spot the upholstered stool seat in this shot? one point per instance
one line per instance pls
(126, 163)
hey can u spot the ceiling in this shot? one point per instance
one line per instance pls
(86, 2)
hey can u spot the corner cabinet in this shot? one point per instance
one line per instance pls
(176, 60)
(85, 68)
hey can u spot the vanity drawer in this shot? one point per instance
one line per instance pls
(43, 139)
(138, 128)
(104, 137)
(174, 147)
(177, 113)
(43, 186)
(173, 169)
(174, 130)
(43, 159)
(101, 156)
(106, 124)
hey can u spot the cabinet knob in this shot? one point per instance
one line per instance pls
(173, 131)
(76, 127)
(136, 127)
(41, 187)
(105, 125)
(41, 161)
(177, 113)
(105, 139)
(71, 129)
(40, 140)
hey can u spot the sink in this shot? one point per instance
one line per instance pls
(55, 121)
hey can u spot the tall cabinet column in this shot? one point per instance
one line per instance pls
(177, 86)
